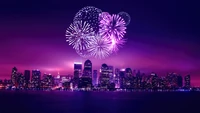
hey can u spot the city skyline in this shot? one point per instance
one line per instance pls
(60, 72)
(79, 71)
(109, 79)
(161, 38)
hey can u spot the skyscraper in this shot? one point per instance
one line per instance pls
(27, 76)
(85, 83)
(122, 79)
(95, 78)
(128, 78)
(87, 68)
(117, 72)
(77, 69)
(14, 76)
(86, 80)
(111, 74)
(66, 81)
(36, 77)
(187, 81)
(104, 79)
(47, 81)
(116, 78)
(180, 81)
(154, 81)
(77, 73)
(129, 72)
(20, 80)
(57, 80)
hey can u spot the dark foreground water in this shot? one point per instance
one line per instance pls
(99, 102)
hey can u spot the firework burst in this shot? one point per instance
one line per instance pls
(90, 14)
(112, 26)
(98, 34)
(100, 47)
(116, 43)
(104, 15)
(79, 34)
(126, 17)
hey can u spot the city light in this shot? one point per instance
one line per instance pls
(108, 79)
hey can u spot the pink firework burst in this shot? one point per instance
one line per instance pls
(116, 43)
(112, 26)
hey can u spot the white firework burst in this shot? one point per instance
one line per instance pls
(100, 47)
(79, 34)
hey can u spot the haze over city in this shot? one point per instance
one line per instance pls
(162, 37)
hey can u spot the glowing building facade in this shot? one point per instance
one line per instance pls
(122, 79)
(77, 73)
(104, 79)
(95, 78)
(47, 81)
(128, 78)
(187, 81)
(87, 68)
(14, 76)
(57, 80)
(86, 80)
(111, 74)
(154, 81)
(116, 78)
(20, 80)
(35, 80)
(66, 81)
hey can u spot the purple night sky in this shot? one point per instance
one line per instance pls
(162, 37)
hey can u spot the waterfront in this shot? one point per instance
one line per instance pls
(98, 102)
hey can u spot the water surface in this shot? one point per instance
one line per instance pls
(98, 102)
